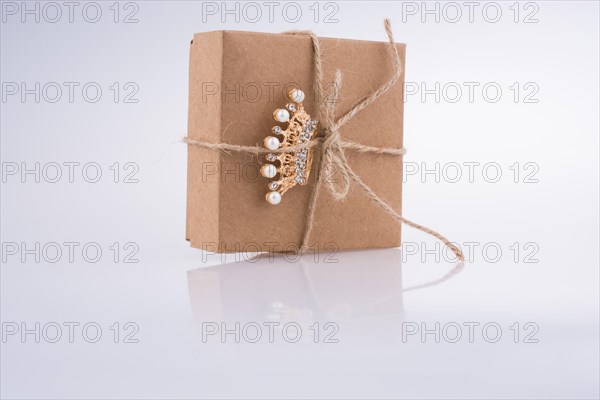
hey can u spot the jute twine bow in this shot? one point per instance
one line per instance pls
(333, 146)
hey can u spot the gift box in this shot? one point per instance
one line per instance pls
(236, 81)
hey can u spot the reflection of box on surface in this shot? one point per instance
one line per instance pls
(246, 291)
(357, 286)
(251, 72)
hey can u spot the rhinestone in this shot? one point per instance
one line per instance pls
(271, 157)
(291, 107)
(276, 130)
(273, 185)
(299, 179)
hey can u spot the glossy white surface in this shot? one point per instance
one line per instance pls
(366, 305)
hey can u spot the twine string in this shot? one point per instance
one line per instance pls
(332, 145)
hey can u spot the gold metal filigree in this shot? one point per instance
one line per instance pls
(290, 168)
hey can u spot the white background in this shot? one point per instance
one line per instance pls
(544, 220)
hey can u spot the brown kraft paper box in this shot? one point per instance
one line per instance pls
(237, 80)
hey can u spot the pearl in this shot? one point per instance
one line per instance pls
(281, 115)
(271, 143)
(273, 198)
(268, 170)
(297, 95)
